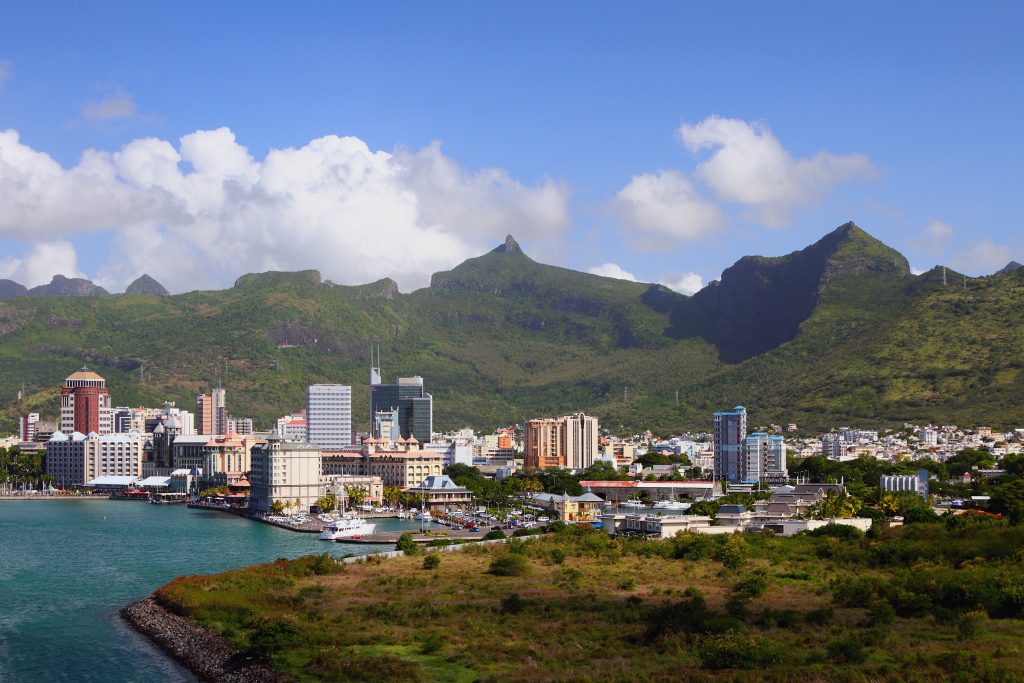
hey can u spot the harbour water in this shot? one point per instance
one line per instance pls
(67, 567)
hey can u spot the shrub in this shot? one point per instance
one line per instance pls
(557, 526)
(509, 564)
(513, 604)
(732, 552)
(737, 650)
(753, 586)
(432, 561)
(920, 515)
(516, 545)
(881, 613)
(526, 532)
(968, 625)
(627, 585)
(494, 535)
(430, 644)
(407, 545)
(846, 651)
(690, 546)
(272, 635)
(323, 564)
(841, 531)
(557, 555)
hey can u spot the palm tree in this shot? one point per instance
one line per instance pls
(835, 504)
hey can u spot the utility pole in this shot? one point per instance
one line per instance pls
(943, 276)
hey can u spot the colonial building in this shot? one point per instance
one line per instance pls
(439, 491)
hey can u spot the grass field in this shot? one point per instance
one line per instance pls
(926, 602)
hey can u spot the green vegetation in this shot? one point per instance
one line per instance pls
(18, 469)
(826, 606)
(214, 491)
(839, 332)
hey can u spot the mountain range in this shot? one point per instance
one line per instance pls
(837, 333)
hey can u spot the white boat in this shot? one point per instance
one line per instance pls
(424, 517)
(632, 504)
(346, 527)
(673, 505)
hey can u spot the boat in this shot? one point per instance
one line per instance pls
(346, 527)
(632, 504)
(672, 505)
(425, 517)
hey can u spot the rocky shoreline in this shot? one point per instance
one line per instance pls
(207, 654)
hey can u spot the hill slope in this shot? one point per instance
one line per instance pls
(839, 331)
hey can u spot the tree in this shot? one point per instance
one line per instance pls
(356, 495)
(835, 504)
(328, 503)
(1008, 499)
(602, 470)
(277, 507)
(297, 504)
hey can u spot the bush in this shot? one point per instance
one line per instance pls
(272, 635)
(526, 532)
(430, 644)
(407, 545)
(509, 564)
(690, 546)
(881, 614)
(753, 586)
(557, 526)
(920, 515)
(557, 555)
(968, 625)
(732, 552)
(323, 564)
(841, 531)
(513, 604)
(846, 651)
(494, 535)
(432, 561)
(737, 650)
(627, 585)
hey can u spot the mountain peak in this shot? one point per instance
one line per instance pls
(1012, 265)
(509, 247)
(144, 284)
(10, 289)
(65, 286)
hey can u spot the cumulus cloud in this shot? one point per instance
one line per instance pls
(38, 267)
(983, 257)
(750, 167)
(934, 237)
(917, 271)
(665, 205)
(5, 72)
(684, 283)
(200, 213)
(117, 105)
(612, 270)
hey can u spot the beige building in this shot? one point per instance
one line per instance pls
(569, 441)
(402, 463)
(285, 471)
(76, 459)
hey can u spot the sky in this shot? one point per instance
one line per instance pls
(652, 141)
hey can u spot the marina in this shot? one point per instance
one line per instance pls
(70, 565)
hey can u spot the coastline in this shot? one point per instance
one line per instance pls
(7, 497)
(207, 654)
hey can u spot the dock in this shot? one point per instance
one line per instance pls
(391, 537)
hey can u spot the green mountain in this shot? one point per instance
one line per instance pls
(839, 332)
(144, 284)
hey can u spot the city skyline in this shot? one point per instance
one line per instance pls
(664, 157)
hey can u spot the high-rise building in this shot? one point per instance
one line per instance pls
(204, 414)
(76, 459)
(569, 441)
(329, 415)
(730, 431)
(85, 404)
(220, 411)
(285, 471)
(27, 427)
(414, 405)
(764, 458)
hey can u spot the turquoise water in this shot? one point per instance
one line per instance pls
(66, 567)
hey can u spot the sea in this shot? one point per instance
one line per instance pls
(68, 566)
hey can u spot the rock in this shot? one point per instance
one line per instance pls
(144, 284)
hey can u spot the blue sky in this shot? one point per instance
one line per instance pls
(662, 140)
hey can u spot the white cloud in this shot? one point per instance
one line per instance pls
(917, 271)
(933, 237)
(5, 72)
(983, 257)
(117, 105)
(750, 167)
(665, 206)
(38, 267)
(334, 204)
(612, 270)
(684, 283)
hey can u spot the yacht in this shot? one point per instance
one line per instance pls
(425, 517)
(346, 527)
(631, 504)
(671, 505)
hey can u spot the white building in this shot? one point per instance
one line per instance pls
(76, 459)
(764, 457)
(285, 471)
(329, 415)
(293, 427)
(581, 435)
